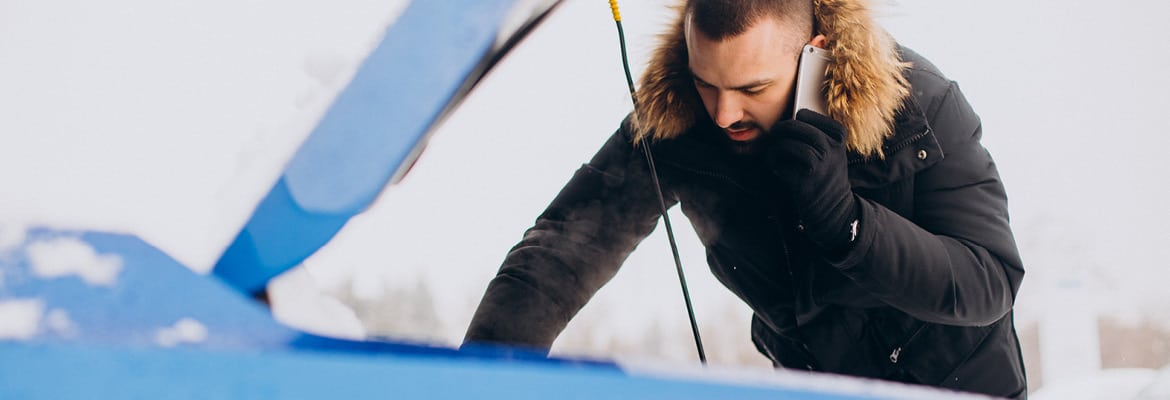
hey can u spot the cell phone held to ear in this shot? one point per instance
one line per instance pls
(810, 81)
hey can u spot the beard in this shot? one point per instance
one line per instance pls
(744, 147)
(749, 148)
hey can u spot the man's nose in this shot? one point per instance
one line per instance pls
(728, 110)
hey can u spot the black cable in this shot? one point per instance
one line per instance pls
(644, 144)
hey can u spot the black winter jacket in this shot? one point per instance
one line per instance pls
(925, 296)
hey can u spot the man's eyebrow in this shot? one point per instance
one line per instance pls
(749, 85)
(753, 85)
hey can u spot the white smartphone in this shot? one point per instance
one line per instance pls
(810, 81)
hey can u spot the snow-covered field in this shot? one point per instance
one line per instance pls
(170, 121)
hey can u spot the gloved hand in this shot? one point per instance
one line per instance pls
(808, 156)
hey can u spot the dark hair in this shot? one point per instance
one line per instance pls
(720, 19)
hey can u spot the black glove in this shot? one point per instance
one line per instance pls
(808, 156)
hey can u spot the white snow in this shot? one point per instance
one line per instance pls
(65, 256)
(299, 303)
(367, 286)
(186, 330)
(1072, 342)
(21, 318)
(1106, 384)
(59, 322)
(12, 235)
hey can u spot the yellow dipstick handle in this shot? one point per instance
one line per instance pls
(617, 15)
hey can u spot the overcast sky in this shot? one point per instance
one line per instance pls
(171, 120)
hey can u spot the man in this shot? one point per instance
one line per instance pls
(876, 246)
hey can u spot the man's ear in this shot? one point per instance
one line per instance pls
(819, 41)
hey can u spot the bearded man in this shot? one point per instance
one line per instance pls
(871, 242)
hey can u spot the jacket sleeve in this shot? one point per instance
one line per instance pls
(956, 263)
(577, 244)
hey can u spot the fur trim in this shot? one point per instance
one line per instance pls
(667, 100)
(865, 82)
(866, 87)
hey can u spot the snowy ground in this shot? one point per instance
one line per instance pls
(170, 121)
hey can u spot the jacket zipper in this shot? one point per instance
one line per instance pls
(783, 244)
(898, 350)
(899, 146)
(907, 142)
(813, 362)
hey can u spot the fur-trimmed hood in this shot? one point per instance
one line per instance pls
(866, 87)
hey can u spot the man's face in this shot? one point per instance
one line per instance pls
(746, 81)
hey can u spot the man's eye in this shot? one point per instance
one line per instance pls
(702, 84)
(753, 92)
